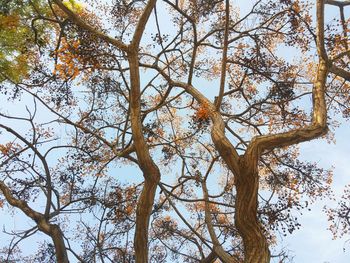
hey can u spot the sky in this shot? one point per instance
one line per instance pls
(313, 243)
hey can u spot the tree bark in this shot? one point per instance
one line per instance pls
(256, 248)
(150, 170)
(143, 213)
(58, 241)
(210, 258)
(42, 223)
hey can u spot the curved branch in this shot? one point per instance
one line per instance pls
(222, 143)
(318, 124)
(43, 224)
(224, 256)
(337, 3)
(149, 169)
(43, 161)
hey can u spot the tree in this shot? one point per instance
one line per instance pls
(206, 101)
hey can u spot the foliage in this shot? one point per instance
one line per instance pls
(21, 34)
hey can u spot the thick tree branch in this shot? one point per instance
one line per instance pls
(318, 124)
(224, 58)
(149, 169)
(223, 145)
(337, 3)
(226, 149)
(210, 258)
(321, 49)
(340, 72)
(140, 28)
(77, 20)
(51, 230)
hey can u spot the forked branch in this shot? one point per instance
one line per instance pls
(318, 124)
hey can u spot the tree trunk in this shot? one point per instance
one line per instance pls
(143, 213)
(60, 248)
(55, 232)
(247, 184)
(150, 170)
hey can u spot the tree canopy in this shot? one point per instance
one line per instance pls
(158, 131)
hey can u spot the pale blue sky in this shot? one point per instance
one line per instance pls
(313, 243)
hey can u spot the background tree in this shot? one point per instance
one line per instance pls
(205, 100)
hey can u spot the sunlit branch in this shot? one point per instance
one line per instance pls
(76, 19)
